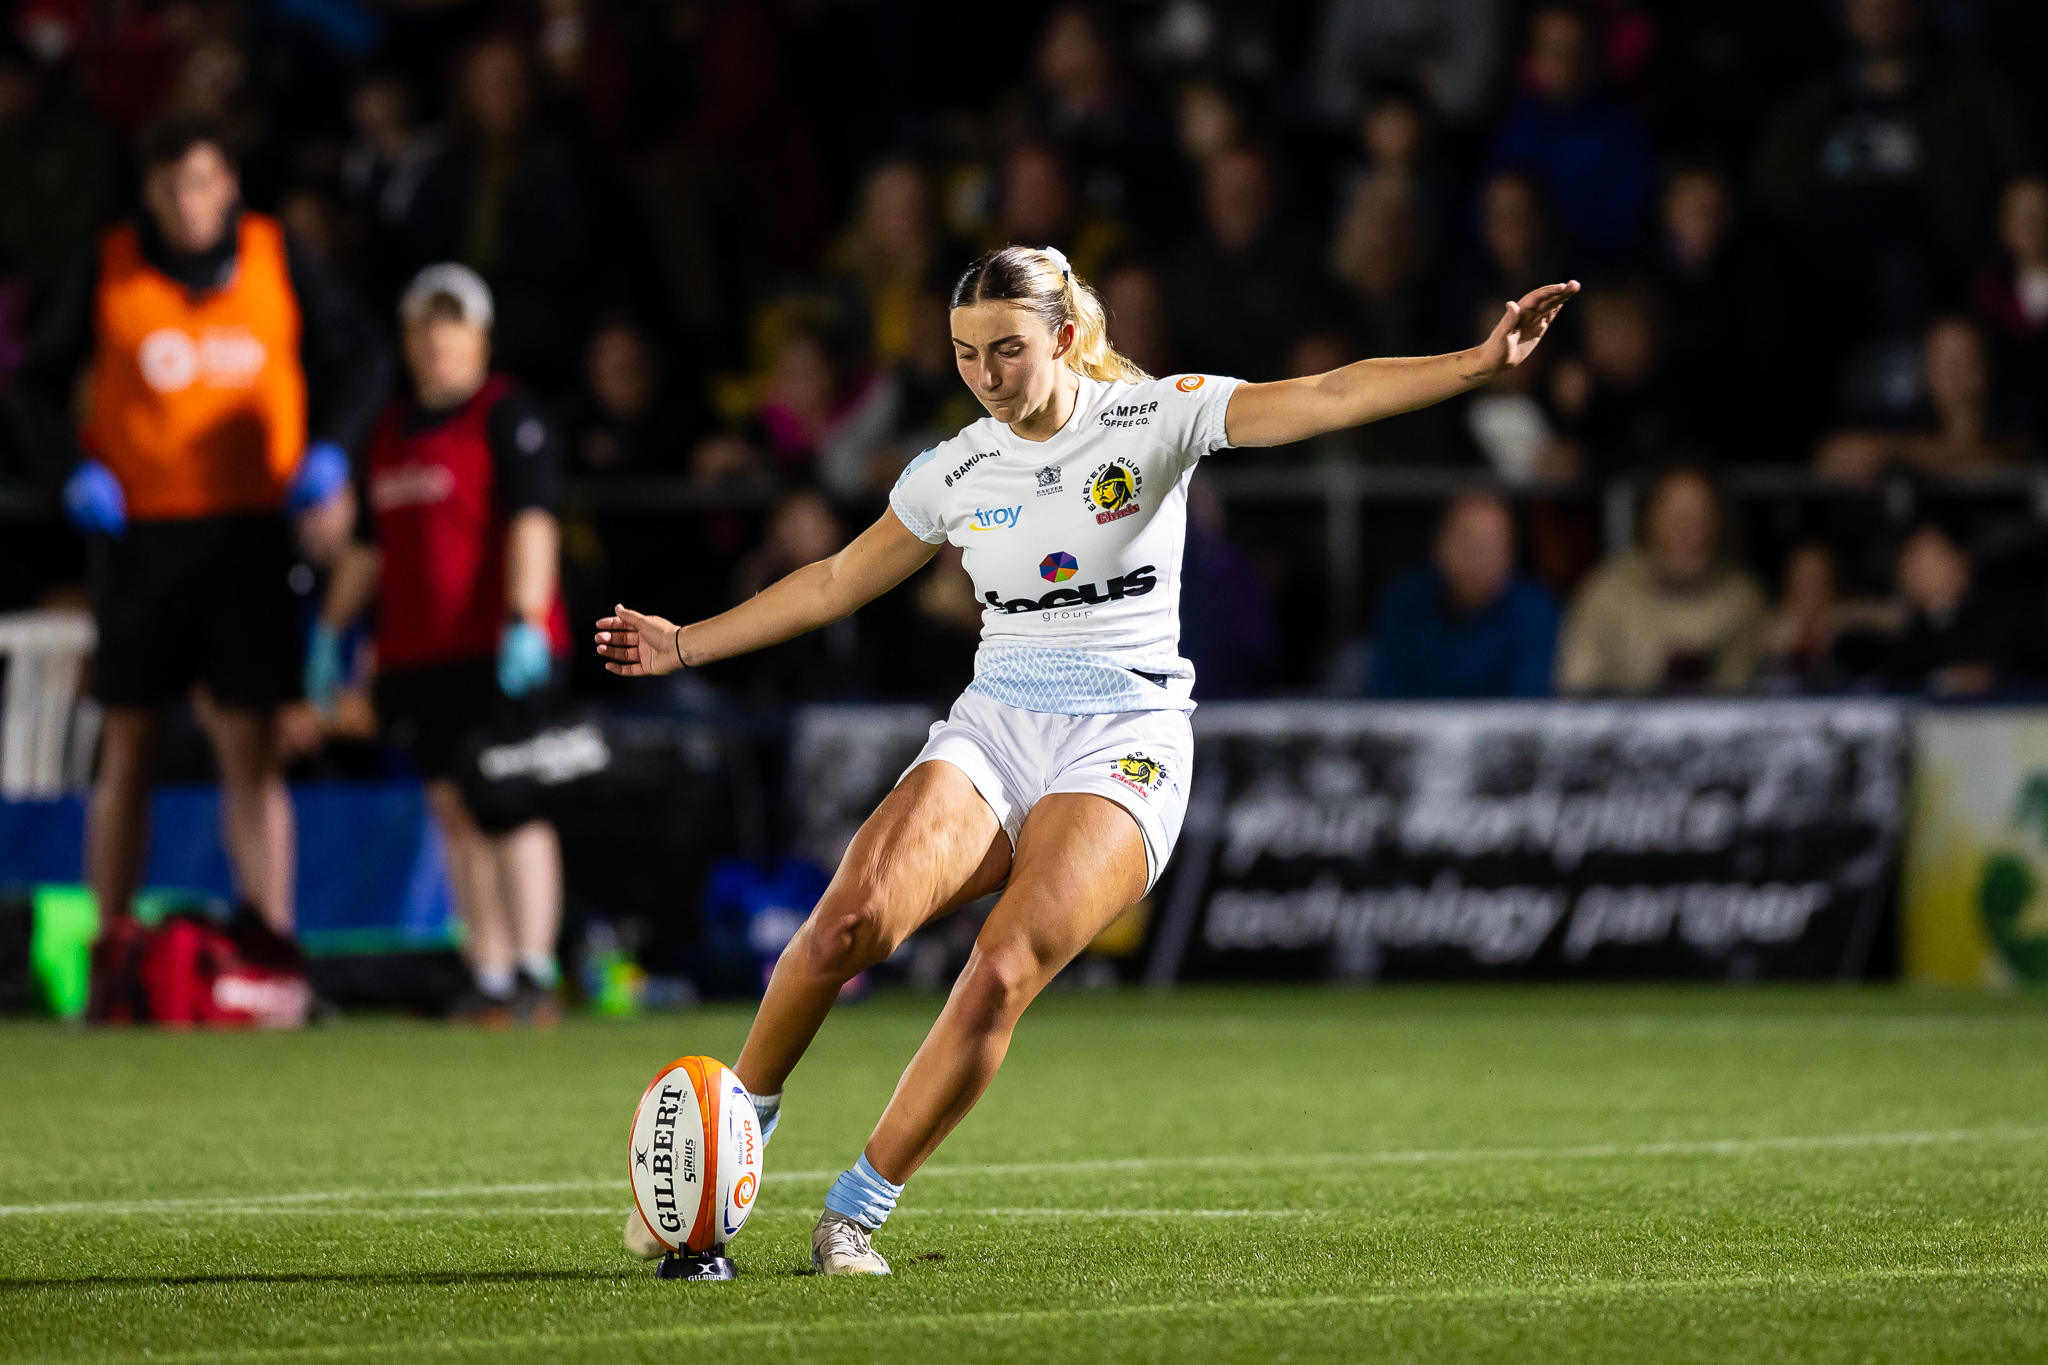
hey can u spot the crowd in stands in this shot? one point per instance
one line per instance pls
(719, 235)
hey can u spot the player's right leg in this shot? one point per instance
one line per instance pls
(933, 845)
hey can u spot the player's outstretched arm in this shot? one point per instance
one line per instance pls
(638, 646)
(1296, 409)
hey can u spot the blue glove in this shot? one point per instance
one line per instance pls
(94, 500)
(524, 660)
(323, 667)
(323, 473)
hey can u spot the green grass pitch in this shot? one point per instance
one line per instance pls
(1540, 1175)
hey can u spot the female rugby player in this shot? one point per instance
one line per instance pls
(1062, 773)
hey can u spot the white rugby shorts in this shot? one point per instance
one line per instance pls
(1139, 759)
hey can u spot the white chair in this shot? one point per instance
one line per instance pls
(47, 731)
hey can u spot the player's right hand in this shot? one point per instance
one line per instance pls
(636, 646)
(94, 501)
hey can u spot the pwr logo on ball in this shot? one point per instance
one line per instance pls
(1058, 567)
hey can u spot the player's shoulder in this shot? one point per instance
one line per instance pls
(950, 460)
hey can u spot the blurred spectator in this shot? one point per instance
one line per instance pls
(1140, 324)
(1959, 433)
(1812, 615)
(1468, 625)
(1121, 145)
(1039, 208)
(1591, 152)
(1889, 172)
(2010, 298)
(1726, 357)
(1247, 285)
(823, 407)
(889, 254)
(1616, 398)
(1231, 635)
(1212, 121)
(1509, 423)
(629, 421)
(509, 198)
(382, 170)
(1956, 641)
(801, 530)
(586, 58)
(1517, 251)
(1449, 48)
(1378, 259)
(57, 177)
(1675, 614)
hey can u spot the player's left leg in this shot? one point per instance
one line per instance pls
(257, 825)
(1080, 862)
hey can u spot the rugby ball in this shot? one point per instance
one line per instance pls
(695, 1155)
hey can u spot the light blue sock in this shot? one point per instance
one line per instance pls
(862, 1195)
(768, 1109)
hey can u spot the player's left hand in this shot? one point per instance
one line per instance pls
(1524, 324)
(637, 646)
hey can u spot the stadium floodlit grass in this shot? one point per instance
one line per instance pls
(1499, 1175)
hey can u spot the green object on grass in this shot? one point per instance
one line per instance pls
(1605, 1176)
(67, 920)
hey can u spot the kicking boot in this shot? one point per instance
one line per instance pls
(639, 1240)
(534, 1005)
(840, 1246)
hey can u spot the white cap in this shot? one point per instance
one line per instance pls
(458, 282)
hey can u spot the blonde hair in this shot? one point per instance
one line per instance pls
(1039, 279)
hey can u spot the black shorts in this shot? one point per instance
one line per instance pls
(430, 711)
(206, 600)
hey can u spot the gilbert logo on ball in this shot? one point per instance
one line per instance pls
(695, 1156)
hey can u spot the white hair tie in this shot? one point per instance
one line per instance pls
(1058, 258)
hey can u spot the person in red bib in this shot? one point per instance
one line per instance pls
(225, 375)
(456, 537)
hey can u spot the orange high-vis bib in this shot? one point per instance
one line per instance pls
(197, 405)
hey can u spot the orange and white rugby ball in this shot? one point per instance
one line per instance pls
(695, 1155)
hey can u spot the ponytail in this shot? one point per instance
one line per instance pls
(1042, 281)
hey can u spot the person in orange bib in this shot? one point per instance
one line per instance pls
(222, 375)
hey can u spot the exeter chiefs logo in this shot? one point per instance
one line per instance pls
(1113, 491)
(1141, 774)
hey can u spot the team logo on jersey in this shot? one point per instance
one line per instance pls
(1141, 774)
(1136, 583)
(1188, 383)
(995, 518)
(1049, 481)
(1113, 491)
(1058, 567)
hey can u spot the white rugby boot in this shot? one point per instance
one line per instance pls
(840, 1246)
(640, 1240)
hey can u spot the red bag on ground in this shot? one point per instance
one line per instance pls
(193, 973)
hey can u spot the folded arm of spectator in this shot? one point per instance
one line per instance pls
(885, 554)
(1297, 409)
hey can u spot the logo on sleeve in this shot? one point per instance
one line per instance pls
(1113, 491)
(995, 518)
(1188, 383)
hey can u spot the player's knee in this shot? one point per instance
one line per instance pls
(999, 982)
(847, 933)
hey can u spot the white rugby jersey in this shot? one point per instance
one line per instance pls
(1074, 543)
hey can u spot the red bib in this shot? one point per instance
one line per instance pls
(434, 494)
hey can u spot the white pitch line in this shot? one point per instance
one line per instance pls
(1274, 1161)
